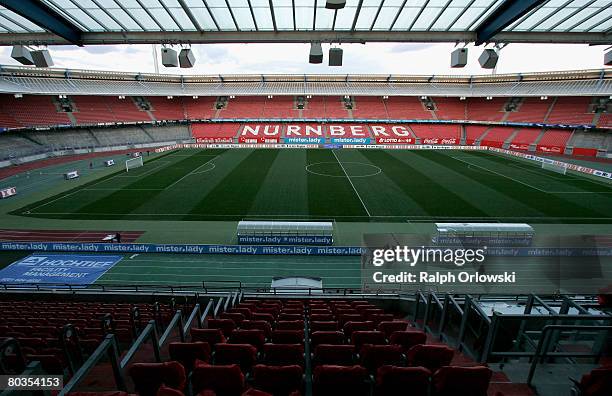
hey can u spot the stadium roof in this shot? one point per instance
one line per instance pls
(25, 80)
(85, 22)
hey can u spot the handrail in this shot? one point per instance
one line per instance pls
(149, 332)
(218, 307)
(227, 301)
(546, 330)
(107, 346)
(207, 310)
(177, 320)
(195, 314)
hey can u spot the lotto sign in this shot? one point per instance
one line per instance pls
(8, 192)
(74, 269)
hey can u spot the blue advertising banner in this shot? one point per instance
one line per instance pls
(55, 268)
(285, 239)
(351, 140)
(304, 140)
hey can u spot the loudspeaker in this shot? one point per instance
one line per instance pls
(608, 58)
(459, 57)
(335, 4)
(22, 55)
(316, 53)
(186, 58)
(169, 58)
(335, 57)
(488, 59)
(42, 58)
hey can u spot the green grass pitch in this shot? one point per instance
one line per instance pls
(342, 185)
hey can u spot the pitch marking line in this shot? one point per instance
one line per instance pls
(193, 172)
(150, 170)
(499, 174)
(350, 181)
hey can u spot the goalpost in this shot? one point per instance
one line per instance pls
(555, 168)
(133, 163)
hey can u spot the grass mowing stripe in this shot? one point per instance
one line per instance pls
(81, 187)
(128, 200)
(550, 205)
(351, 182)
(330, 197)
(236, 193)
(423, 188)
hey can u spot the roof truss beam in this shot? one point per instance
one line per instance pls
(45, 17)
(508, 12)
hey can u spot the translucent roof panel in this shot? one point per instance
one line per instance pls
(401, 18)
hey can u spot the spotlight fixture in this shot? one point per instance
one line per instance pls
(169, 97)
(186, 58)
(489, 97)
(488, 59)
(18, 96)
(462, 98)
(335, 57)
(194, 97)
(459, 57)
(121, 96)
(608, 58)
(42, 58)
(335, 4)
(22, 55)
(316, 53)
(169, 57)
(543, 97)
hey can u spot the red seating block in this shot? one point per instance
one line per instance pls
(186, 353)
(326, 337)
(253, 337)
(394, 381)
(359, 338)
(257, 325)
(408, 339)
(287, 336)
(283, 354)
(211, 336)
(390, 327)
(340, 355)
(277, 380)
(243, 354)
(461, 381)
(227, 326)
(430, 356)
(374, 356)
(340, 380)
(331, 325)
(148, 377)
(290, 324)
(350, 327)
(223, 380)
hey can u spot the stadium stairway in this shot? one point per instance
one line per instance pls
(232, 344)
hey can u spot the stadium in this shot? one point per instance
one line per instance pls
(177, 234)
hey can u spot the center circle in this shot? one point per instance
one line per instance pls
(334, 169)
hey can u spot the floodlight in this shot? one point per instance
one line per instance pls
(488, 59)
(335, 4)
(186, 58)
(169, 57)
(42, 58)
(22, 55)
(459, 57)
(316, 53)
(335, 57)
(608, 58)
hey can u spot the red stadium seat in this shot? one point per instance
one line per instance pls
(227, 326)
(186, 353)
(374, 356)
(167, 391)
(211, 336)
(431, 357)
(235, 316)
(268, 317)
(596, 383)
(257, 325)
(350, 327)
(461, 381)
(222, 380)
(340, 380)
(323, 326)
(343, 318)
(322, 317)
(340, 355)
(389, 327)
(243, 354)
(244, 311)
(408, 339)
(359, 338)
(254, 337)
(148, 377)
(287, 336)
(395, 381)
(290, 324)
(291, 317)
(278, 380)
(327, 337)
(283, 354)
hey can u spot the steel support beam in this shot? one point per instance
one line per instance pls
(44, 16)
(291, 36)
(508, 12)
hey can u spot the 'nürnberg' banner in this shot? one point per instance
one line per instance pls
(551, 264)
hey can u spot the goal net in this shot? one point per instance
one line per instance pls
(555, 168)
(133, 163)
